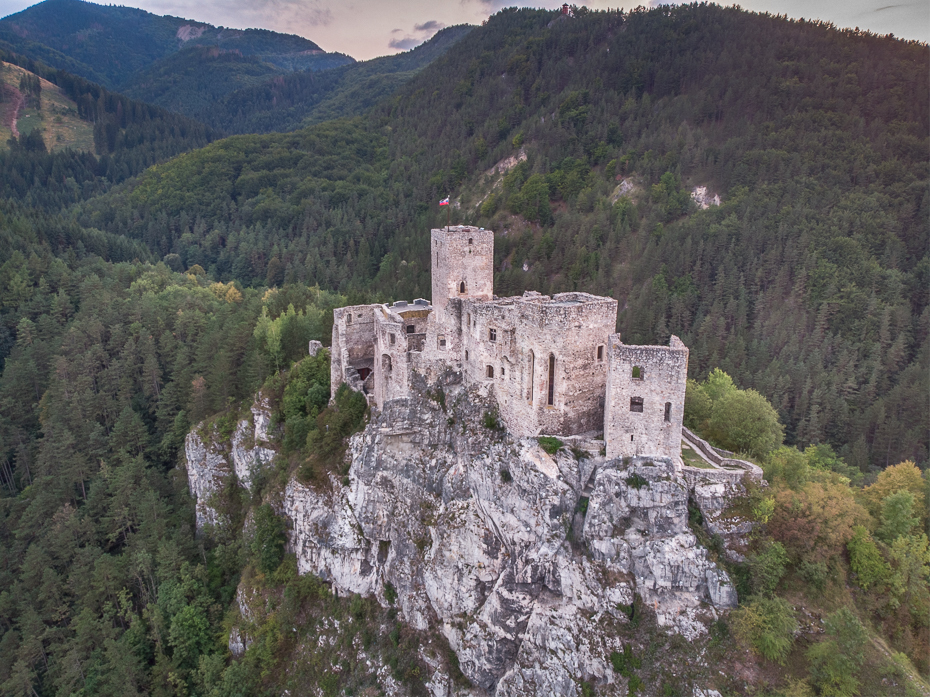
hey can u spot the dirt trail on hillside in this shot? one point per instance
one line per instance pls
(12, 103)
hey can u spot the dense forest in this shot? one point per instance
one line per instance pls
(138, 300)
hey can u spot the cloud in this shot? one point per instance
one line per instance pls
(421, 32)
(405, 44)
(431, 26)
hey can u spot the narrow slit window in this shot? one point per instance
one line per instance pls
(466, 354)
(490, 371)
(636, 404)
(551, 400)
(502, 371)
(668, 411)
(462, 288)
(349, 318)
(600, 353)
(529, 392)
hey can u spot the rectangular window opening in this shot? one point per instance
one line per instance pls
(636, 404)
(349, 318)
(411, 329)
(442, 342)
(391, 339)
(600, 353)
(551, 379)
(490, 371)
(668, 412)
(492, 335)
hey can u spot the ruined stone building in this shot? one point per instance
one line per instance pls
(555, 364)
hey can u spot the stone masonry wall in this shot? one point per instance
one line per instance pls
(509, 343)
(663, 374)
(353, 345)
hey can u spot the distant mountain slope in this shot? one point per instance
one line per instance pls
(290, 101)
(109, 44)
(191, 80)
(97, 137)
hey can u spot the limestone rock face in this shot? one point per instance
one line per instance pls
(486, 538)
(210, 460)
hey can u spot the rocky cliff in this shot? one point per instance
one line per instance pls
(528, 563)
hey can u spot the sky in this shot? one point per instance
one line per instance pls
(368, 28)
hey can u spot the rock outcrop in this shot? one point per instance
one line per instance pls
(211, 459)
(525, 561)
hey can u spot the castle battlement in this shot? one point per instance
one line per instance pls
(555, 364)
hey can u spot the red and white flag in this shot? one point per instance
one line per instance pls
(444, 202)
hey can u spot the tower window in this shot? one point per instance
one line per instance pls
(600, 353)
(470, 240)
(529, 394)
(411, 329)
(349, 318)
(490, 371)
(442, 342)
(492, 335)
(391, 339)
(462, 288)
(668, 411)
(636, 404)
(551, 380)
(466, 354)
(502, 371)
(638, 373)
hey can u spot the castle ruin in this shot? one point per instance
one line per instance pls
(555, 364)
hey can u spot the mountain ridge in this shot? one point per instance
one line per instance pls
(108, 44)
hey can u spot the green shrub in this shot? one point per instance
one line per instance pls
(390, 593)
(767, 625)
(491, 421)
(268, 538)
(835, 661)
(637, 481)
(625, 662)
(866, 561)
(506, 477)
(550, 444)
(767, 566)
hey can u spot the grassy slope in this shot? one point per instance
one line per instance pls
(57, 116)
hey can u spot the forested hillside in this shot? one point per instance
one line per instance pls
(288, 102)
(808, 283)
(136, 52)
(121, 138)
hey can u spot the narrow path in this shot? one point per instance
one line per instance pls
(13, 103)
(691, 444)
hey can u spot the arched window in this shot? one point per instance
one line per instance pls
(551, 400)
(462, 288)
(490, 371)
(470, 240)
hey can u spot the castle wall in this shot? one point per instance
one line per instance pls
(353, 346)
(664, 373)
(526, 332)
(391, 355)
